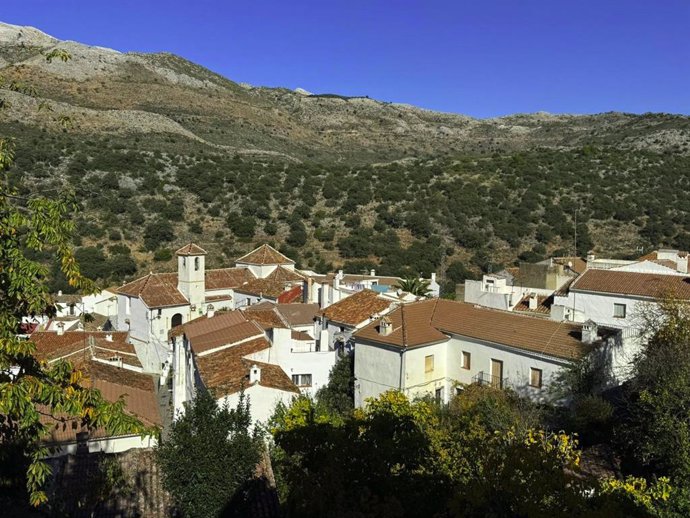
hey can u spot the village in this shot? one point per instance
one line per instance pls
(265, 330)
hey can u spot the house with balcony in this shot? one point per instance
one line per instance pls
(435, 347)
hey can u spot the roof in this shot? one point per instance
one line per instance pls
(203, 324)
(160, 289)
(50, 346)
(70, 298)
(264, 255)
(298, 314)
(156, 290)
(265, 315)
(227, 278)
(191, 249)
(274, 285)
(544, 304)
(138, 391)
(224, 328)
(429, 321)
(638, 284)
(227, 371)
(301, 336)
(356, 308)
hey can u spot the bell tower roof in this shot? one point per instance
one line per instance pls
(191, 249)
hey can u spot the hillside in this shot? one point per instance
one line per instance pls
(161, 150)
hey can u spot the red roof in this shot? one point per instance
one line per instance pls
(264, 255)
(191, 249)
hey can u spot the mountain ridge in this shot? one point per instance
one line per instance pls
(282, 122)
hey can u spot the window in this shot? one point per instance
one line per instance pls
(466, 357)
(196, 264)
(619, 310)
(71, 309)
(535, 377)
(439, 395)
(302, 380)
(429, 363)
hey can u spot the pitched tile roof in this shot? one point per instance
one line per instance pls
(156, 290)
(227, 278)
(650, 285)
(203, 324)
(138, 390)
(227, 371)
(298, 314)
(191, 249)
(226, 336)
(356, 308)
(265, 315)
(273, 285)
(50, 346)
(426, 322)
(264, 255)
(160, 289)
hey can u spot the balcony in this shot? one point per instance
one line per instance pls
(484, 378)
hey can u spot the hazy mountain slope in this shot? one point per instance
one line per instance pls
(197, 104)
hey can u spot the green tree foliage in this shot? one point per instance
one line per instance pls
(654, 427)
(481, 456)
(209, 456)
(339, 394)
(414, 285)
(30, 389)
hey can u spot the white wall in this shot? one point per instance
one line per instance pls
(262, 401)
(106, 445)
(377, 369)
(599, 307)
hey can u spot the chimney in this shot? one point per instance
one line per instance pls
(336, 280)
(255, 374)
(59, 293)
(590, 332)
(108, 338)
(385, 326)
(210, 311)
(591, 257)
(372, 273)
(433, 277)
(533, 301)
(60, 328)
(682, 264)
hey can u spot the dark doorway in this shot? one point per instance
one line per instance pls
(176, 320)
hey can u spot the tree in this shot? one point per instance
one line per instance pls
(209, 456)
(415, 286)
(654, 426)
(29, 388)
(339, 394)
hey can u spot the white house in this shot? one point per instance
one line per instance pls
(434, 347)
(149, 307)
(225, 353)
(112, 366)
(338, 321)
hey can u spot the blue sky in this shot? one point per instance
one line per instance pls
(482, 58)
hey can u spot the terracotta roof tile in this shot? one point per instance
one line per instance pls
(156, 290)
(265, 315)
(577, 264)
(191, 249)
(274, 285)
(160, 289)
(649, 285)
(356, 308)
(264, 255)
(203, 324)
(227, 278)
(227, 371)
(544, 304)
(50, 346)
(226, 336)
(298, 314)
(301, 336)
(138, 390)
(427, 322)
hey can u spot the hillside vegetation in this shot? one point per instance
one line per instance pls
(162, 151)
